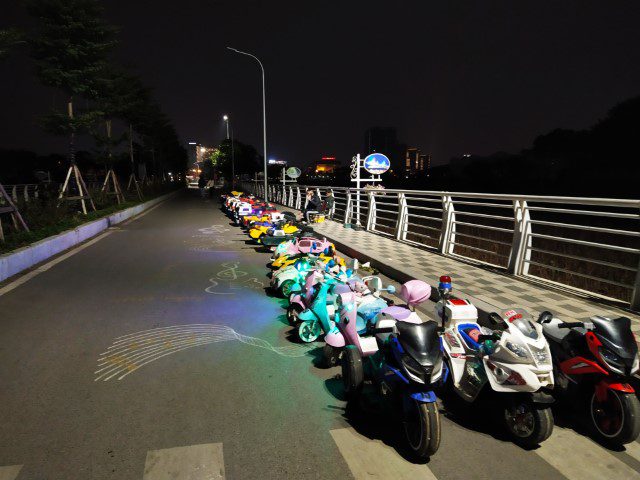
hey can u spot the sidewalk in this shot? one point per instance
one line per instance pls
(488, 290)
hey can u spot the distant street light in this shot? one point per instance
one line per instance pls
(264, 119)
(233, 162)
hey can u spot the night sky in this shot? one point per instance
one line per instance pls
(452, 77)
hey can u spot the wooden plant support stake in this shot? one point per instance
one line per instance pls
(134, 181)
(11, 209)
(83, 192)
(117, 191)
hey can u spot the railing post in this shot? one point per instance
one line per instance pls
(14, 193)
(448, 231)
(298, 199)
(26, 192)
(333, 207)
(348, 209)
(635, 293)
(371, 216)
(521, 246)
(401, 224)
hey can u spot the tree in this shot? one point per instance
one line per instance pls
(9, 38)
(70, 47)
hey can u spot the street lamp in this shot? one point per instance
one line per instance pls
(233, 162)
(264, 118)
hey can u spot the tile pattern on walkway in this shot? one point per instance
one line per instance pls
(488, 289)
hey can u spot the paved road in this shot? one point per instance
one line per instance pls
(155, 349)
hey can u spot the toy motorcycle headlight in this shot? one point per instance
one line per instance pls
(540, 355)
(517, 350)
(418, 372)
(613, 361)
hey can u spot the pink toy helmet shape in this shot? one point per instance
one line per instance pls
(414, 292)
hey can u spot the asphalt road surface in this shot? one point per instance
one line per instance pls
(155, 353)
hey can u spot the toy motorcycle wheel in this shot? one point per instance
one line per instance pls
(309, 331)
(331, 355)
(421, 427)
(526, 423)
(616, 419)
(352, 372)
(292, 314)
(287, 288)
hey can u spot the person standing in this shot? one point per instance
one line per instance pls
(312, 204)
(330, 200)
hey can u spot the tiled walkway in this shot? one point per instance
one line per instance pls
(488, 290)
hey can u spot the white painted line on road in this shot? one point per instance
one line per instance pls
(633, 450)
(10, 472)
(372, 459)
(43, 268)
(579, 458)
(196, 462)
(148, 210)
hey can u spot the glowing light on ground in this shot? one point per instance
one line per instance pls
(131, 352)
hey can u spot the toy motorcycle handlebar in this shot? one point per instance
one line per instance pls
(571, 325)
(484, 338)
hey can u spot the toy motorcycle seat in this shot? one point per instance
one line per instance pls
(402, 314)
(552, 331)
(415, 292)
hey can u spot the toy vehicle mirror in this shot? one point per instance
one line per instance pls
(545, 317)
(495, 318)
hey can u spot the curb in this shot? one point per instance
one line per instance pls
(26, 257)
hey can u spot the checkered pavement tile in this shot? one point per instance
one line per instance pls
(496, 289)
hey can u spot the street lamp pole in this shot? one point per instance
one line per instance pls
(264, 119)
(233, 161)
(226, 120)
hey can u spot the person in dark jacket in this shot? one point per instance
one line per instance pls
(312, 205)
(330, 201)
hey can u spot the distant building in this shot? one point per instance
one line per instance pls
(385, 140)
(326, 166)
(416, 163)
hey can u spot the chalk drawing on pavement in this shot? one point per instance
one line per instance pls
(130, 352)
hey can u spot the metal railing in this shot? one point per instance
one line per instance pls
(591, 245)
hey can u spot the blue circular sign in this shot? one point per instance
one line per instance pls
(376, 163)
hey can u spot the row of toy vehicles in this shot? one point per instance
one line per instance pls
(519, 364)
(263, 222)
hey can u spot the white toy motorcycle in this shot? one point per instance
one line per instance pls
(513, 358)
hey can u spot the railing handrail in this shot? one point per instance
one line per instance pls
(622, 202)
(596, 253)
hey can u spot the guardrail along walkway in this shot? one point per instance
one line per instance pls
(488, 290)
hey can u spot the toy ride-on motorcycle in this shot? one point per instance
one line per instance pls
(594, 361)
(404, 360)
(514, 360)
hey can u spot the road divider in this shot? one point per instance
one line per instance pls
(27, 257)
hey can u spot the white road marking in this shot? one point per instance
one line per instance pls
(196, 462)
(579, 458)
(372, 459)
(633, 450)
(10, 472)
(148, 210)
(43, 268)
